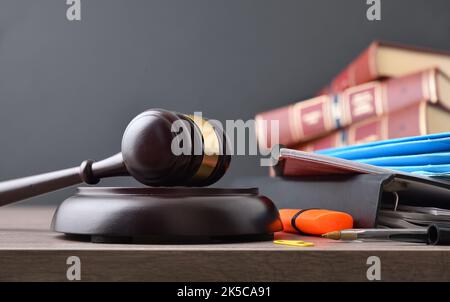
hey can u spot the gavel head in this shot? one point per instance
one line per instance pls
(164, 148)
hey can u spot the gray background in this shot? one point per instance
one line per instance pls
(68, 89)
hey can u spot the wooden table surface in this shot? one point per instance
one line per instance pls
(30, 251)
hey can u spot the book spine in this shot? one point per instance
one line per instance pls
(296, 123)
(316, 117)
(410, 121)
(382, 97)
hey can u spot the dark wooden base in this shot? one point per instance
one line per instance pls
(171, 240)
(167, 215)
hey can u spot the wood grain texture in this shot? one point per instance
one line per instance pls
(29, 251)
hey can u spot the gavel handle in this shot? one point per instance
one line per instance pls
(88, 172)
(26, 187)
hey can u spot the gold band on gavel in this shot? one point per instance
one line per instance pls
(211, 147)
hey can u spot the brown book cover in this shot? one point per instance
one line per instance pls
(306, 120)
(419, 119)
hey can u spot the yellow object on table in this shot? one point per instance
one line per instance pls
(294, 243)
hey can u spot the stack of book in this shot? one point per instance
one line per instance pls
(388, 91)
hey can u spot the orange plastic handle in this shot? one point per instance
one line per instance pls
(314, 221)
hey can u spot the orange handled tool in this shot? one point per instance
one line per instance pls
(314, 221)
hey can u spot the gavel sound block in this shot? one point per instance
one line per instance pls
(176, 209)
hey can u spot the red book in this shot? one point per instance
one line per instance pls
(386, 59)
(306, 120)
(418, 119)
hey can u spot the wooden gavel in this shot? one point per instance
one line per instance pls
(146, 155)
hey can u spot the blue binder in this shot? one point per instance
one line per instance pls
(427, 155)
(425, 159)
